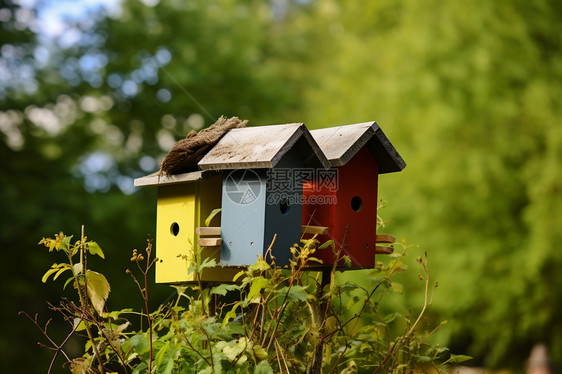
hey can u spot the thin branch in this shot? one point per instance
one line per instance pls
(195, 350)
(339, 358)
(44, 331)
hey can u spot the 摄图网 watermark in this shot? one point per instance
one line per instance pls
(283, 185)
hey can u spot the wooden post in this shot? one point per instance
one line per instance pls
(315, 366)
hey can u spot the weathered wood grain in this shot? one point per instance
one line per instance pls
(258, 147)
(340, 144)
(208, 231)
(383, 238)
(209, 242)
(383, 250)
(155, 180)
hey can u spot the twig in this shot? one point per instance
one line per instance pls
(427, 302)
(195, 350)
(279, 354)
(339, 358)
(210, 348)
(83, 294)
(56, 348)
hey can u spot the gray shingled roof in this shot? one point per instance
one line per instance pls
(262, 147)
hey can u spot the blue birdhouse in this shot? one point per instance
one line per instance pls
(262, 189)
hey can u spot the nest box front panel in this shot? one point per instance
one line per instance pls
(181, 209)
(175, 231)
(355, 222)
(284, 206)
(351, 211)
(243, 216)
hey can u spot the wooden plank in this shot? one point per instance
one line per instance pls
(320, 230)
(155, 180)
(208, 231)
(209, 242)
(383, 250)
(382, 238)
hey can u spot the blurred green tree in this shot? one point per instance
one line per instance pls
(468, 93)
(83, 115)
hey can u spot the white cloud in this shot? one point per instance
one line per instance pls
(53, 15)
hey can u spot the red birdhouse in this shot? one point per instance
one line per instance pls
(344, 198)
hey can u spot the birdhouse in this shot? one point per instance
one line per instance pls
(345, 201)
(261, 195)
(184, 202)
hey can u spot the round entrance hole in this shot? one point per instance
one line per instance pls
(175, 229)
(356, 203)
(284, 207)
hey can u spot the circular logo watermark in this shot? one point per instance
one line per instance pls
(243, 186)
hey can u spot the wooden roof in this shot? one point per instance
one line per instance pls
(155, 180)
(341, 143)
(262, 147)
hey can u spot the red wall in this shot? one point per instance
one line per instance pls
(352, 231)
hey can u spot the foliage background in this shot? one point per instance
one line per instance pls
(469, 93)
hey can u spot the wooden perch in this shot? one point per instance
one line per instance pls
(209, 242)
(383, 250)
(320, 230)
(385, 238)
(208, 231)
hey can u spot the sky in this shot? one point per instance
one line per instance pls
(53, 14)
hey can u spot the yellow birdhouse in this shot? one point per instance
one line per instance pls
(184, 202)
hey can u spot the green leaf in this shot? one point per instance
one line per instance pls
(98, 290)
(224, 288)
(329, 243)
(48, 274)
(314, 259)
(347, 287)
(259, 352)
(391, 317)
(117, 313)
(294, 293)
(231, 314)
(65, 244)
(67, 282)
(140, 343)
(207, 263)
(140, 368)
(169, 361)
(211, 216)
(257, 284)
(263, 368)
(260, 266)
(238, 275)
(81, 326)
(77, 268)
(457, 359)
(55, 268)
(60, 272)
(236, 328)
(95, 249)
(161, 353)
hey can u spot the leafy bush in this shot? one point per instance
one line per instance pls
(271, 320)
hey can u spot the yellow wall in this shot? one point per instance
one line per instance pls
(186, 205)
